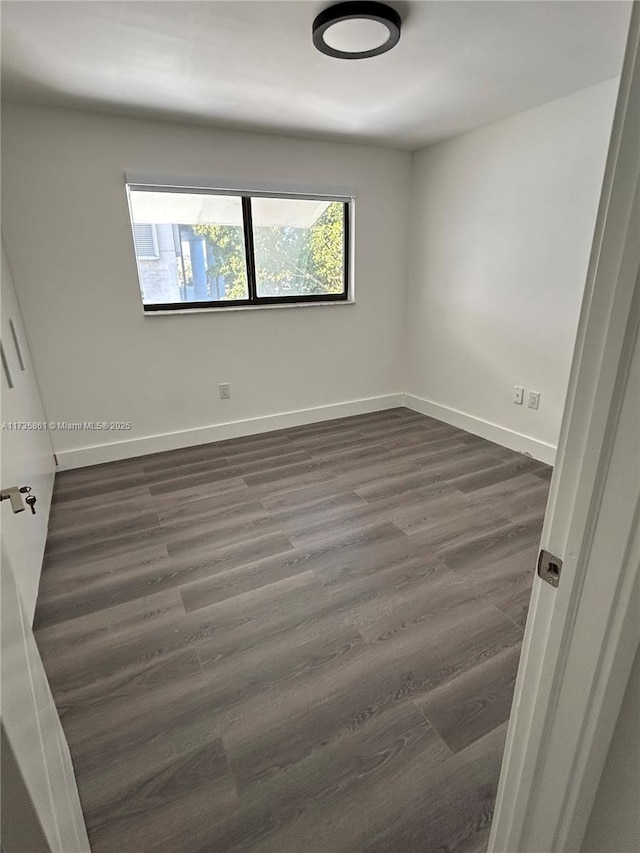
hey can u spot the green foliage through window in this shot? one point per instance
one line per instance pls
(289, 261)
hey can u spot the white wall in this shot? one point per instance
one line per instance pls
(27, 455)
(67, 236)
(502, 223)
(614, 825)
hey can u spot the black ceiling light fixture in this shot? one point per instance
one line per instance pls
(356, 30)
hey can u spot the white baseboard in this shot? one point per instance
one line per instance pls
(493, 432)
(95, 455)
(84, 456)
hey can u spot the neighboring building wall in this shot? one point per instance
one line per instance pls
(160, 275)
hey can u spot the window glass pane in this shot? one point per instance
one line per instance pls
(199, 247)
(299, 246)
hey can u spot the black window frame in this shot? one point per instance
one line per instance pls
(247, 224)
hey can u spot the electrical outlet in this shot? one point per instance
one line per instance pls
(534, 399)
(225, 390)
(518, 394)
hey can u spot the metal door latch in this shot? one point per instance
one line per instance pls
(549, 568)
(14, 494)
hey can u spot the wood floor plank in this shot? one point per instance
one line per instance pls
(194, 562)
(303, 498)
(242, 578)
(362, 551)
(321, 444)
(315, 803)
(386, 477)
(467, 708)
(268, 734)
(472, 481)
(83, 650)
(238, 623)
(300, 640)
(123, 542)
(96, 511)
(302, 513)
(522, 499)
(64, 578)
(68, 591)
(288, 660)
(199, 503)
(485, 546)
(96, 482)
(185, 455)
(221, 489)
(311, 467)
(194, 480)
(150, 811)
(160, 474)
(459, 796)
(71, 539)
(219, 528)
(109, 703)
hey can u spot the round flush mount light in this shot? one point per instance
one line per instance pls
(356, 30)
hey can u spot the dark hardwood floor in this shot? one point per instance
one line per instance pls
(293, 642)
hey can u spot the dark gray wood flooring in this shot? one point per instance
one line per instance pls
(293, 642)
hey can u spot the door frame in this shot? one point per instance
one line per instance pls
(581, 638)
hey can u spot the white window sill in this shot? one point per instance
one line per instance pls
(217, 310)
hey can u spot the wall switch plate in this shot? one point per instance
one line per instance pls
(518, 394)
(534, 399)
(225, 390)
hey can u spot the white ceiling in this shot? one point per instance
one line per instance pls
(249, 64)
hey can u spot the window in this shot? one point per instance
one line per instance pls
(212, 248)
(146, 242)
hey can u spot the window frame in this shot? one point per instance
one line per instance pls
(254, 301)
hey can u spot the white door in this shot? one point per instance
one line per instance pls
(581, 638)
(27, 454)
(42, 808)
